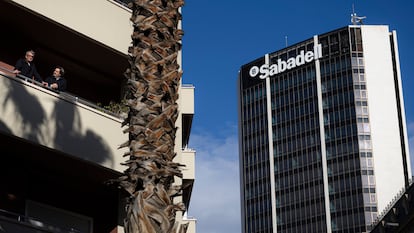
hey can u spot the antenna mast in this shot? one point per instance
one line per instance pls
(355, 19)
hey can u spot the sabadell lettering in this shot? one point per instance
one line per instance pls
(280, 66)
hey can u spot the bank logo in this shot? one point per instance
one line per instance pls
(281, 66)
(254, 71)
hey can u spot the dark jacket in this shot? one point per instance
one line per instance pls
(27, 69)
(61, 82)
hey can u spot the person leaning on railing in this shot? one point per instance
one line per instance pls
(26, 67)
(56, 81)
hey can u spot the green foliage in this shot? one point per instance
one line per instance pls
(116, 108)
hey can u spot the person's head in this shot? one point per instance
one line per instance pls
(59, 71)
(29, 55)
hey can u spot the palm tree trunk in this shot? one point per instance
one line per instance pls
(152, 93)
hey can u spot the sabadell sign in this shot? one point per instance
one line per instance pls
(268, 70)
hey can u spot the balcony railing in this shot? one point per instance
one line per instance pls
(123, 2)
(64, 95)
(13, 222)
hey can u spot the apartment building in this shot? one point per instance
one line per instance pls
(60, 149)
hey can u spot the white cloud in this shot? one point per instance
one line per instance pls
(215, 201)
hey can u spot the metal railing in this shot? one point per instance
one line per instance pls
(123, 2)
(26, 221)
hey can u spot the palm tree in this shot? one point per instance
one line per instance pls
(152, 93)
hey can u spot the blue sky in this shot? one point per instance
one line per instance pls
(222, 35)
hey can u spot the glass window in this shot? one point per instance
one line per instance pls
(354, 61)
(360, 61)
(364, 163)
(373, 198)
(369, 163)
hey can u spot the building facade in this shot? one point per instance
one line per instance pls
(59, 150)
(322, 133)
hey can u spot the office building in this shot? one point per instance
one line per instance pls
(58, 150)
(322, 133)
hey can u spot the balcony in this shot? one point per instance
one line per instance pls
(191, 223)
(187, 111)
(60, 121)
(114, 31)
(13, 222)
(188, 158)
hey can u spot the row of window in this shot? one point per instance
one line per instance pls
(339, 132)
(254, 127)
(254, 141)
(296, 79)
(256, 173)
(257, 157)
(259, 224)
(311, 224)
(258, 206)
(301, 214)
(298, 159)
(306, 125)
(300, 179)
(335, 43)
(342, 147)
(338, 116)
(356, 40)
(254, 93)
(344, 204)
(330, 85)
(337, 167)
(257, 108)
(338, 100)
(296, 144)
(352, 221)
(347, 183)
(297, 96)
(302, 197)
(335, 66)
(294, 113)
(256, 189)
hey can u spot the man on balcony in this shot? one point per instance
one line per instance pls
(25, 67)
(57, 81)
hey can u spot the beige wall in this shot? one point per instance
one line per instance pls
(187, 99)
(188, 158)
(102, 20)
(191, 225)
(184, 155)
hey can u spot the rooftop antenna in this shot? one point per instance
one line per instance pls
(286, 43)
(356, 19)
